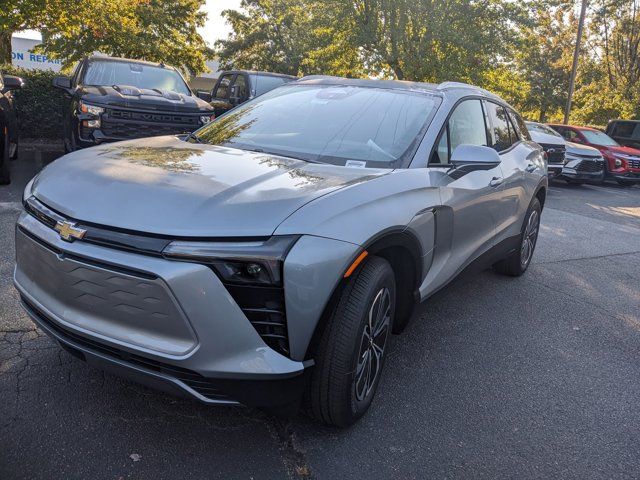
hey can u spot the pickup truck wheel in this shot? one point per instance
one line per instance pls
(352, 350)
(518, 262)
(5, 176)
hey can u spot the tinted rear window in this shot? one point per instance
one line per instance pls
(265, 83)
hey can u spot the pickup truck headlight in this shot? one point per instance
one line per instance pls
(91, 109)
(252, 262)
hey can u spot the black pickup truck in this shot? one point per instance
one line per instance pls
(237, 86)
(109, 99)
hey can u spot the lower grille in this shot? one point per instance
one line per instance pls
(195, 381)
(589, 166)
(264, 308)
(140, 130)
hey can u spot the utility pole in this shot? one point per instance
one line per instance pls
(574, 67)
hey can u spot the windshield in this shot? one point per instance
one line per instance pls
(327, 123)
(540, 128)
(135, 75)
(599, 138)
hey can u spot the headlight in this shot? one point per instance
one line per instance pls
(206, 118)
(255, 262)
(618, 162)
(91, 109)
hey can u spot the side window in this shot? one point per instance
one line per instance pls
(222, 90)
(519, 125)
(466, 126)
(623, 129)
(241, 90)
(569, 134)
(500, 132)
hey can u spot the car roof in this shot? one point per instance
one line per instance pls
(433, 88)
(576, 127)
(258, 72)
(106, 58)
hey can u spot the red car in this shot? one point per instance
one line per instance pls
(621, 163)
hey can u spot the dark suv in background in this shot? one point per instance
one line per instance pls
(8, 125)
(237, 86)
(625, 132)
(111, 99)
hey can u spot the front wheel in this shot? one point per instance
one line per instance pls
(518, 262)
(352, 350)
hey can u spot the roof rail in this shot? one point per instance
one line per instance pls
(451, 85)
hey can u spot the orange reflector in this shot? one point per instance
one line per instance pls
(355, 263)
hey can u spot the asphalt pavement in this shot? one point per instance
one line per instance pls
(495, 377)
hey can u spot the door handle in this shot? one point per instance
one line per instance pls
(496, 181)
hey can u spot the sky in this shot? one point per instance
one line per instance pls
(214, 29)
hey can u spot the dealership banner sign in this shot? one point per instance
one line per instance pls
(21, 56)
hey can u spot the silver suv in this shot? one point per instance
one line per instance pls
(266, 258)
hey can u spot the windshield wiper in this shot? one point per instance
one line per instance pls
(194, 137)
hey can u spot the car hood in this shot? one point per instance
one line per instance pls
(133, 97)
(545, 138)
(163, 185)
(628, 151)
(584, 150)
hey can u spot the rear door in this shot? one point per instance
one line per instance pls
(511, 194)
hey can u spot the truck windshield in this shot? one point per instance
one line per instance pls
(138, 75)
(599, 138)
(328, 123)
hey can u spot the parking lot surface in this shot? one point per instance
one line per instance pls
(534, 377)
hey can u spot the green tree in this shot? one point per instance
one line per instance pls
(288, 36)
(16, 15)
(153, 30)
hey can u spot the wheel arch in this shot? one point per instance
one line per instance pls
(402, 250)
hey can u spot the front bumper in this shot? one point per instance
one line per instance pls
(583, 170)
(170, 325)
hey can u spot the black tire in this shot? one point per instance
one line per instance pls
(626, 183)
(337, 395)
(5, 174)
(518, 262)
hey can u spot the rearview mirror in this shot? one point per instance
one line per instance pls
(12, 83)
(476, 157)
(62, 82)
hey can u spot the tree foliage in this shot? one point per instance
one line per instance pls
(154, 30)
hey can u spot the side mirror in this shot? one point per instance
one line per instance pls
(475, 157)
(12, 83)
(202, 95)
(62, 82)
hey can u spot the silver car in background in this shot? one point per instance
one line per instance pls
(574, 163)
(266, 258)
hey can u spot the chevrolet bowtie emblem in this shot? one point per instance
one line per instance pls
(68, 231)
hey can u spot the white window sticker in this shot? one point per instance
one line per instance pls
(355, 163)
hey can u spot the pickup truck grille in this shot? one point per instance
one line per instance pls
(555, 153)
(126, 124)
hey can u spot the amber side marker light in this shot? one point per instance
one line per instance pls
(355, 263)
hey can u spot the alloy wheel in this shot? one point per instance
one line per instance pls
(372, 345)
(529, 238)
